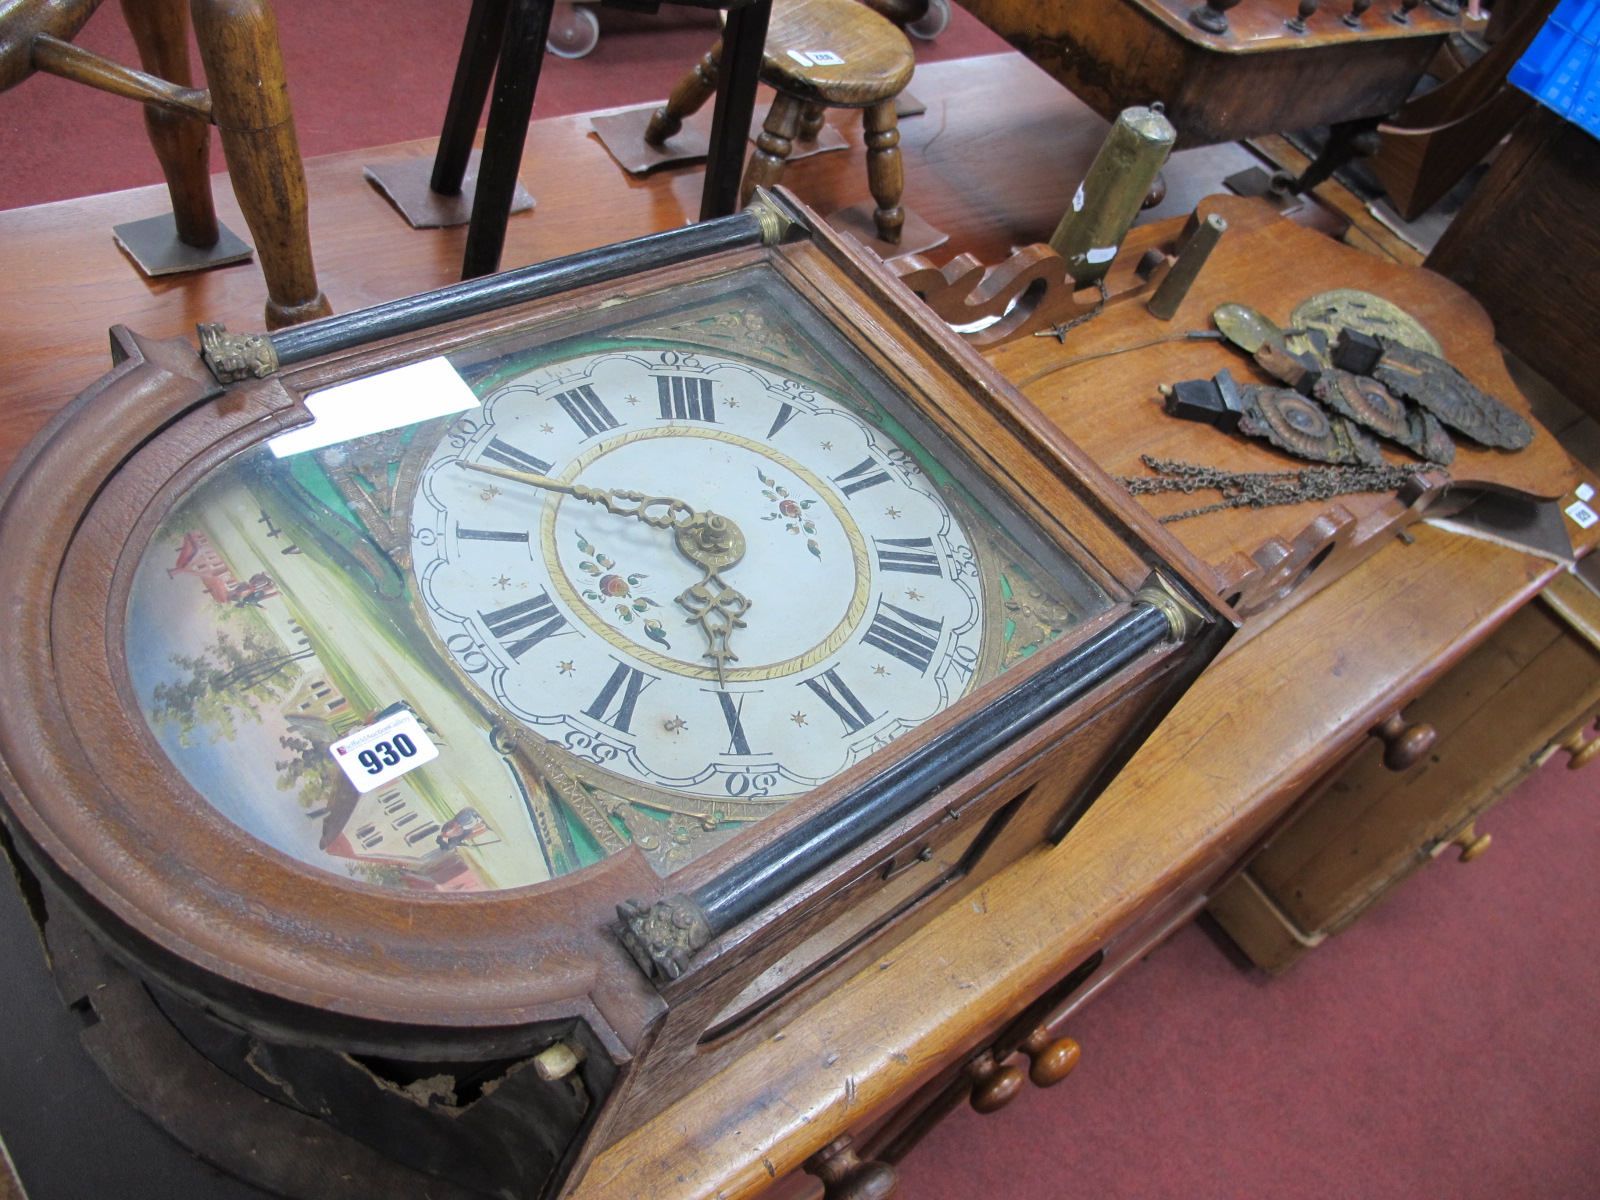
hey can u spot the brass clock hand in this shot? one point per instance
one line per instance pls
(714, 543)
(709, 540)
(621, 503)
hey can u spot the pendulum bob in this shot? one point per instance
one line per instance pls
(1369, 404)
(1302, 427)
(1449, 395)
(1110, 196)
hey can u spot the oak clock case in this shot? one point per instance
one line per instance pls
(751, 616)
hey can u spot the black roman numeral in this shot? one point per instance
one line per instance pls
(912, 556)
(737, 742)
(786, 414)
(491, 535)
(584, 407)
(629, 681)
(904, 635)
(859, 478)
(507, 455)
(833, 692)
(538, 616)
(685, 399)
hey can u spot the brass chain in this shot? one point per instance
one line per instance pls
(1261, 489)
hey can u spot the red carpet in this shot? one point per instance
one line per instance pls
(1447, 1046)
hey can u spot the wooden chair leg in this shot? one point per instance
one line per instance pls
(182, 144)
(885, 172)
(811, 122)
(250, 104)
(765, 167)
(693, 90)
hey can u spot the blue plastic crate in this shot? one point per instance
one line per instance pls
(1561, 69)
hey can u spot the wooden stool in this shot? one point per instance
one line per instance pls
(819, 54)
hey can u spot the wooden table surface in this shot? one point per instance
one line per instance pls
(1260, 725)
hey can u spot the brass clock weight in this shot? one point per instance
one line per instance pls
(710, 618)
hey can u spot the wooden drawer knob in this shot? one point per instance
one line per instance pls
(1583, 752)
(1050, 1059)
(1404, 746)
(1471, 844)
(845, 1176)
(993, 1086)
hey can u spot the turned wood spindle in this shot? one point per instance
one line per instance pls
(182, 143)
(1358, 9)
(250, 104)
(1212, 16)
(1402, 15)
(1302, 15)
(1471, 844)
(1404, 745)
(846, 1177)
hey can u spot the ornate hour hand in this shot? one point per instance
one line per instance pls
(710, 541)
(713, 543)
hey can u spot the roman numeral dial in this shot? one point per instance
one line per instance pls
(613, 495)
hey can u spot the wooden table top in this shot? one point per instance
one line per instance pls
(1259, 726)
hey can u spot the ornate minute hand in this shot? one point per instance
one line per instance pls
(623, 504)
(710, 541)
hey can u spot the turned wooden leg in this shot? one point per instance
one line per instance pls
(693, 90)
(811, 122)
(765, 167)
(885, 174)
(250, 104)
(182, 144)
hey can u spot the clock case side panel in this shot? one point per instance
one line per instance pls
(176, 890)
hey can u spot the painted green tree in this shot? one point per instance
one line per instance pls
(224, 683)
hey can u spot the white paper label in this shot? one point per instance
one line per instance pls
(1582, 514)
(1101, 254)
(404, 396)
(801, 57)
(825, 58)
(384, 750)
(1584, 492)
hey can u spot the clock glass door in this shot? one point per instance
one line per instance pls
(673, 564)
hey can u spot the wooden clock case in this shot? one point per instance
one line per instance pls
(336, 996)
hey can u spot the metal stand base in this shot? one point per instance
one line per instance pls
(406, 185)
(1258, 182)
(622, 134)
(155, 249)
(916, 236)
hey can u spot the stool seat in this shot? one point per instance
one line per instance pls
(877, 58)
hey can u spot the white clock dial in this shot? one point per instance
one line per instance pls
(861, 607)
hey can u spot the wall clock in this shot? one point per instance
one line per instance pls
(582, 667)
